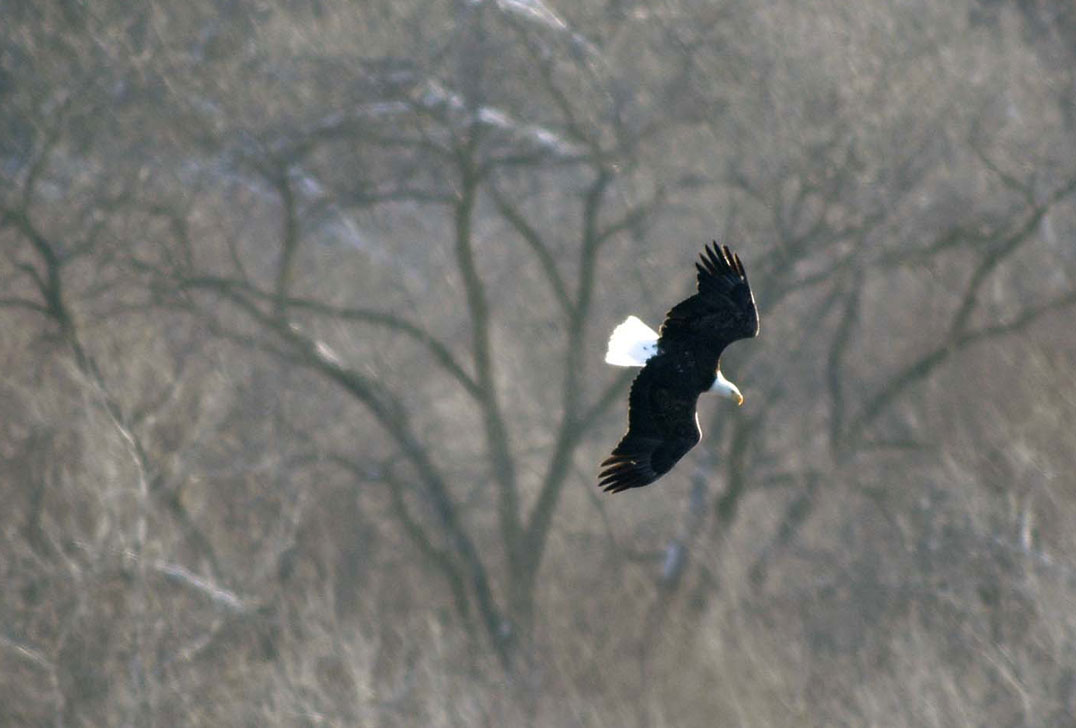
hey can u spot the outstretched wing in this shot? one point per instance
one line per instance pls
(662, 427)
(721, 312)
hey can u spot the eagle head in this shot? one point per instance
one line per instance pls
(725, 388)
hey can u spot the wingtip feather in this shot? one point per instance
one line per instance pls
(715, 257)
(717, 260)
(621, 471)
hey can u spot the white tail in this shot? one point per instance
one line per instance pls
(631, 344)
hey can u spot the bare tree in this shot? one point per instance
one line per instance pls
(303, 315)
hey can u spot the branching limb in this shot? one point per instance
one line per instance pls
(496, 430)
(998, 254)
(533, 239)
(239, 291)
(958, 336)
(537, 529)
(391, 415)
(920, 369)
(443, 560)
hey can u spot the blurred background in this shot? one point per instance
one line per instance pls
(302, 314)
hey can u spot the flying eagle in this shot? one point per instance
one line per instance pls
(679, 363)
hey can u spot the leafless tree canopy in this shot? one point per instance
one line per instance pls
(302, 312)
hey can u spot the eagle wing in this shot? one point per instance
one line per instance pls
(662, 427)
(721, 312)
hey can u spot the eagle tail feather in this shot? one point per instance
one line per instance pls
(631, 344)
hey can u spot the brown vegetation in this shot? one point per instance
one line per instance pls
(302, 311)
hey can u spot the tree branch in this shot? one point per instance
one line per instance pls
(391, 321)
(1006, 248)
(568, 430)
(531, 237)
(503, 465)
(391, 415)
(835, 362)
(289, 237)
(926, 364)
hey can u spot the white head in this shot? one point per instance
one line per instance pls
(725, 388)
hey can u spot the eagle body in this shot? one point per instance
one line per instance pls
(679, 362)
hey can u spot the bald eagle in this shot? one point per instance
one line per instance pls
(679, 363)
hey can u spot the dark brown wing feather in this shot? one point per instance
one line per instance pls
(721, 312)
(661, 427)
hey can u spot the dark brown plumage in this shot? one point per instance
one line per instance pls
(662, 422)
